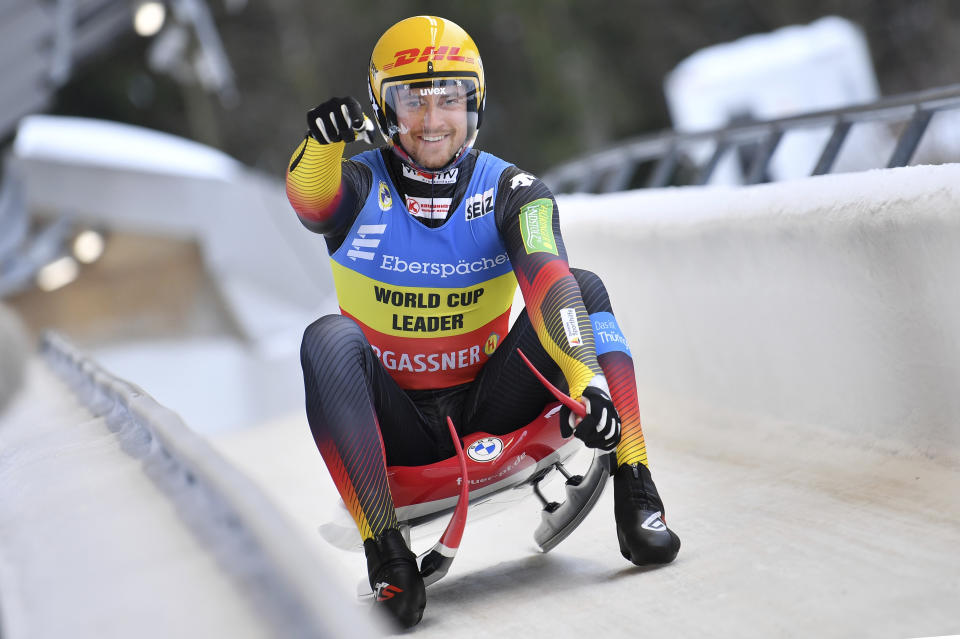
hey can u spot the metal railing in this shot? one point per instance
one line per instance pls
(43, 41)
(652, 161)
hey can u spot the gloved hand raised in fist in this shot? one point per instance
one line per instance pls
(339, 120)
(600, 428)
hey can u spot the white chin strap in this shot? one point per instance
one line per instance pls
(406, 157)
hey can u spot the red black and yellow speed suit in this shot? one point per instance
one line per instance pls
(414, 343)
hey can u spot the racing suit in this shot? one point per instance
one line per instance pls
(426, 266)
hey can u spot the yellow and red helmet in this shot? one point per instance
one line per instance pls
(430, 54)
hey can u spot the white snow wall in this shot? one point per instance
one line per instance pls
(13, 354)
(831, 300)
(281, 577)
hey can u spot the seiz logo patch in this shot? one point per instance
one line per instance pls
(446, 177)
(430, 208)
(479, 205)
(408, 56)
(362, 242)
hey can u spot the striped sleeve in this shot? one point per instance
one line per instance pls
(530, 227)
(315, 185)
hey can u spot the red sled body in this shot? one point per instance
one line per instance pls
(486, 465)
(494, 463)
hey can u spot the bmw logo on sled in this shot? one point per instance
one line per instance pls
(486, 449)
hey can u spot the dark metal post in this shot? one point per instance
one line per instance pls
(761, 158)
(910, 139)
(832, 148)
(619, 179)
(663, 170)
(704, 176)
(589, 181)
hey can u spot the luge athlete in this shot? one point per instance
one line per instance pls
(428, 239)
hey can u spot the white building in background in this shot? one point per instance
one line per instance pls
(272, 275)
(793, 70)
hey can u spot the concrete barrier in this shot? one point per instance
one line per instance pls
(13, 354)
(830, 300)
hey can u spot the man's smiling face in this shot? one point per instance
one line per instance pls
(432, 121)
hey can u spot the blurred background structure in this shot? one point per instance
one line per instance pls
(564, 77)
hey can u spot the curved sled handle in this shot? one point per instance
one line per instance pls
(454, 531)
(575, 407)
(435, 563)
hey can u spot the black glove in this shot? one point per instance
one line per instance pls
(339, 120)
(600, 428)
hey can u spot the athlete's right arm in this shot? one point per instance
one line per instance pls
(315, 186)
(324, 201)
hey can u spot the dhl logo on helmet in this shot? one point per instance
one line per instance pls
(408, 56)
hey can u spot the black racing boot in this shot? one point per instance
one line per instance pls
(641, 527)
(397, 585)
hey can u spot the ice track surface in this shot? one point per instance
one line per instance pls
(788, 530)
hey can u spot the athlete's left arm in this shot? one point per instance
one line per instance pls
(529, 224)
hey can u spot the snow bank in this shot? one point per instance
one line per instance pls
(103, 143)
(829, 300)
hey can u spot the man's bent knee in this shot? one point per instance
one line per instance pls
(327, 337)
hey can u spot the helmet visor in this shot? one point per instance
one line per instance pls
(432, 119)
